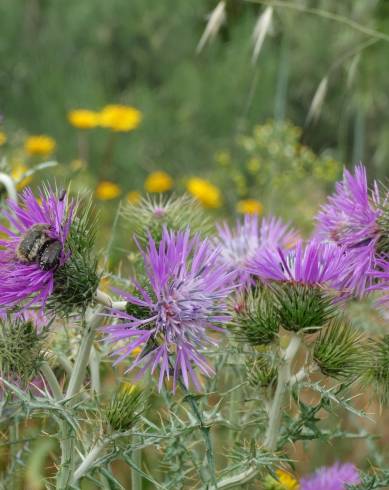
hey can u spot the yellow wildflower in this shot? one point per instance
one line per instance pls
(83, 118)
(120, 117)
(287, 480)
(205, 192)
(249, 206)
(158, 182)
(17, 173)
(3, 138)
(133, 197)
(40, 145)
(107, 190)
(284, 481)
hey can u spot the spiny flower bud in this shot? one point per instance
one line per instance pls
(261, 369)
(21, 349)
(256, 319)
(76, 282)
(302, 306)
(151, 215)
(125, 408)
(378, 374)
(339, 351)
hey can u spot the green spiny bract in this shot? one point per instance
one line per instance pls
(152, 214)
(261, 369)
(338, 351)
(125, 408)
(255, 320)
(21, 349)
(302, 307)
(77, 280)
(378, 373)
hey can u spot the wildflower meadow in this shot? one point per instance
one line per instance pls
(194, 251)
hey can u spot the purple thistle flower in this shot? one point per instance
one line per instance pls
(350, 219)
(240, 245)
(26, 278)
(331, 478)
(315, 263)
(184, 301)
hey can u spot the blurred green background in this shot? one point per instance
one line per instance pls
(196, 106)
(276, 129)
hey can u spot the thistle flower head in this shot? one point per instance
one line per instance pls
(350, 218)
(312, 264)
(183, 302)
(255, 317)
(151, 214)
(261, 369)
(334, 477)
(21, 348)
(301, 282)
(339, 350)
(239, 245)
(33, 246)
(378, 374)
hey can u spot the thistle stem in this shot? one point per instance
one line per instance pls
(205, 431)
(79, 370)
(51, 380)
(94, 366)
(89, 460)
(275, 415)
(136, 478)
(66, 469)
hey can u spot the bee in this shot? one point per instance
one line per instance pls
(36, 246)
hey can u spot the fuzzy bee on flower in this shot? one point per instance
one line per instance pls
(33, 246)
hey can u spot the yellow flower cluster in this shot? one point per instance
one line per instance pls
(40, 145)
(83, 118)
(3, 138)
(107, 190)
(284, 481)
(208, 194)
(117, 117)
(158, 181)
(249, 206)
(120, 118)
(287, 480)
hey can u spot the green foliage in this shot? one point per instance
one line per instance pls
(22, 349)
(255, 319)
(76, 282)
(302, 307)
(370, 482)
(339, 350)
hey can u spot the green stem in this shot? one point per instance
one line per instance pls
(205, 430)
(275, 415)
(51, 380)
(136, 478)
(79, 369)
(66, 435)
(13, 439)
